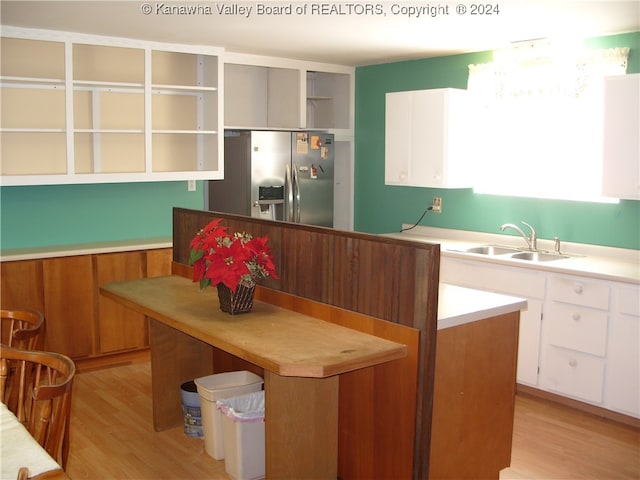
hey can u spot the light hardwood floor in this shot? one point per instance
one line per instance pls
(112, 437)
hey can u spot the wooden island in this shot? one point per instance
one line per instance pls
(302, 358)
(420, 415)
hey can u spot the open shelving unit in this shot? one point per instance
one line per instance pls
(82, 109)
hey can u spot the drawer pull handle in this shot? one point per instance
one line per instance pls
(576, 317)
(578, 289)
(573, 363)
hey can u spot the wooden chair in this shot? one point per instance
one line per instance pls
(22, 329)
(36, 387)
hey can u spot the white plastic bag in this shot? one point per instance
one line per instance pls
(247, 408)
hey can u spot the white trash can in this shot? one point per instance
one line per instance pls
(214, 387)
(243, 430)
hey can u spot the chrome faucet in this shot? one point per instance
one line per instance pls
(532, 239)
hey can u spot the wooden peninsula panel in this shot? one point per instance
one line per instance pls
(474, 399)
(390, 279)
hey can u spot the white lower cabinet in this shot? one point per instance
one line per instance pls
(515, 281)
(574, 337)
(622, 388)
(572, 373)
(579, 337)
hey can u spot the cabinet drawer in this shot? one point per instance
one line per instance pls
(577, 328)
(573, 373)
(629, 300)
(576, 290)
(510, 281)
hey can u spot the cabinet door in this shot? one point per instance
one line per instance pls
(120, 328)
(69, 296)
(159, 262)
(283, 98)
(397, 150)
(21, 285)
(429, 138)
(426, 136)
(529, 343)
(572, 373)
(621, 146)
(622, 391)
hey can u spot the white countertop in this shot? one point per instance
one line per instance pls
(458, 305)
(605, 263)
(10, 255)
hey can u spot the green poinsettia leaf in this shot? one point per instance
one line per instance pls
(195, 255)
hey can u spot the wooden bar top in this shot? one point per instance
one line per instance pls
(279, 340)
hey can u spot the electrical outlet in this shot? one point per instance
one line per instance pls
(436, 206)
(191, 185)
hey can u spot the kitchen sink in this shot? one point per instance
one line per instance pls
(491, 250)
(513, 253)
(538, 256)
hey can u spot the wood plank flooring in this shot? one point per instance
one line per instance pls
(112, 437)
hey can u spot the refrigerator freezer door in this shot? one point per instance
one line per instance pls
(232, 195)
(313, 157)
(270, 155)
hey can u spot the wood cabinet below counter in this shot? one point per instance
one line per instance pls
(78, 322)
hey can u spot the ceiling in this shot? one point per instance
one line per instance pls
(344, 33)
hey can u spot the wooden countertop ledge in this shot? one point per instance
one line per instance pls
(280, 340)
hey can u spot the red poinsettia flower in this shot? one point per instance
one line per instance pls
(232, 259)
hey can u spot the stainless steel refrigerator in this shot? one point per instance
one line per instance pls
(276, 175)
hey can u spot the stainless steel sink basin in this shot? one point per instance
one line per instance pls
(537, 256)
(491, 250)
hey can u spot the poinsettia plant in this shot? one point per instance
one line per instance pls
(234, 259)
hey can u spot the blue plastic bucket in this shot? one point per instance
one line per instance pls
(191, 409)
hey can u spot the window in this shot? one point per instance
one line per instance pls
(539, 121)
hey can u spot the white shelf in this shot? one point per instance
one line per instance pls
(91, 83)
(33, 130)
(177, 88)
(31, 82)
(118, 91)
(191, 132)
(105, 130)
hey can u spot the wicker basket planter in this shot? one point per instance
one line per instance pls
(239, 302)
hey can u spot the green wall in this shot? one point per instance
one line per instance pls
(41, 216)
(380, 208)
(50, 215)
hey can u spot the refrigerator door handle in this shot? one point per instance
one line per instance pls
(296, 185)
(289, 191)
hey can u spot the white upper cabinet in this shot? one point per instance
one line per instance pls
(426, 138)
(278, 93)
(89, 109)
(258, 96)
(621, 152)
